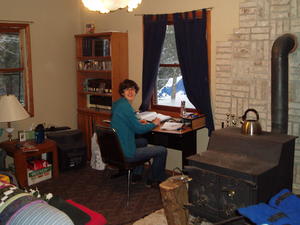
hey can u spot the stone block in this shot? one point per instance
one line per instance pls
(252, 3)
(223, 86)
(260, 36)
(223, 80)
(223, 93)
(260, 30)
(223, 68)
(223, 99)
(242, 31)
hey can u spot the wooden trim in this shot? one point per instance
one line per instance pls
(26, 63)
(9, 70)
(13, 25)
(29, 88)
(108, 34)
(189, 14)
(19, 22)
(10, 30)
(169, 65)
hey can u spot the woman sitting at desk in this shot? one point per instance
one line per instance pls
(126, 124)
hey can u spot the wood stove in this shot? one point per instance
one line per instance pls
(238, 170)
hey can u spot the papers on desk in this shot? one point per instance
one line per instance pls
(150, 116)
(172, 126)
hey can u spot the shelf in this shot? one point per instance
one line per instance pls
(101, 35)
(95, 93)
(102, 58)
(94, 71)
(95, 111)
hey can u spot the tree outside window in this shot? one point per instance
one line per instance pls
(170, 90)
(15, 63)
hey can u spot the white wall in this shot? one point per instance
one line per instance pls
(53, 57)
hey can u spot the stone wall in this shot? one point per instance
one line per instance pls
(243, 66)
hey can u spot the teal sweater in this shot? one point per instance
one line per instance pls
(125, 122)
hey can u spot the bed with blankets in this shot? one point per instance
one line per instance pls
(18, 207)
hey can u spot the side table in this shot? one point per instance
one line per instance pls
(20, 158)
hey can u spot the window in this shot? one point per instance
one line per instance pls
(15, 63)
(169, 90)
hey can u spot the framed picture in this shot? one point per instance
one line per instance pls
(22, 136)
(29, 134)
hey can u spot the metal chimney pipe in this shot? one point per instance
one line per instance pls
(282, 46)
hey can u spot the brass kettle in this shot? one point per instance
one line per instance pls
(251, 127)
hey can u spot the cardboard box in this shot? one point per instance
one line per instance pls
(36, 176)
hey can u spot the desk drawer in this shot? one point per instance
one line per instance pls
(168, 140)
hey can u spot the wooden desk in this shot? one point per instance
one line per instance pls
(20, 158)
(184, 140)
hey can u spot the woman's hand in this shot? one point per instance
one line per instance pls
(156, 121)
(143, 121)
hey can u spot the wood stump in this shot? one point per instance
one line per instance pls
(174, 196)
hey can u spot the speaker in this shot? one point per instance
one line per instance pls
(71, 148)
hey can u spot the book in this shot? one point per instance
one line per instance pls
(87, 47)
(98, 45)
(150, 116)
(195, 122)
(28, 147)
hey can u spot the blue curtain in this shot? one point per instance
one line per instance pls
(154, 35)
(190, 35)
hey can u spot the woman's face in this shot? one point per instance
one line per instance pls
(129, 94)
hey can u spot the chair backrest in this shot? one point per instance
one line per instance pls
(110, 147)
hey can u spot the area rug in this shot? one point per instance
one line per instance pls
(158, 218)
(155, 218)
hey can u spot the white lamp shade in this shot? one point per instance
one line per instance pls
(11, 109)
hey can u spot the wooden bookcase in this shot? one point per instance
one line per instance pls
(102, 63)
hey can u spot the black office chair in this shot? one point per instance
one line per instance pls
(112, 153)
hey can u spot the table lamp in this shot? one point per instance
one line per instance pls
(11, 110)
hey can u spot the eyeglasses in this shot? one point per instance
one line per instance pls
(130, 89)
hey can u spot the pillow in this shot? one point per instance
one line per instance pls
(39, 213)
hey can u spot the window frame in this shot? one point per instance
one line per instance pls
(25, 59)
(164, 108)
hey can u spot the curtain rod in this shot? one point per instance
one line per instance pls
(15, 21)
(209, 8)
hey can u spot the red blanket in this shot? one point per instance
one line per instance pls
(96, 218)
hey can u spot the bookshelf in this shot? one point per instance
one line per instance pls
(102, 63)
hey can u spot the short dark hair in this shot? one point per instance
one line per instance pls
(128, 84)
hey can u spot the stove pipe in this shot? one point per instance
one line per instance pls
(279, 81)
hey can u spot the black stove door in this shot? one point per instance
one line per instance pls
(216, 197)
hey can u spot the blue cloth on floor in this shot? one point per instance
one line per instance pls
(265, 214)
(288, 203)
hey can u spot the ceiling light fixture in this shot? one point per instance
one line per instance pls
(106, 6)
